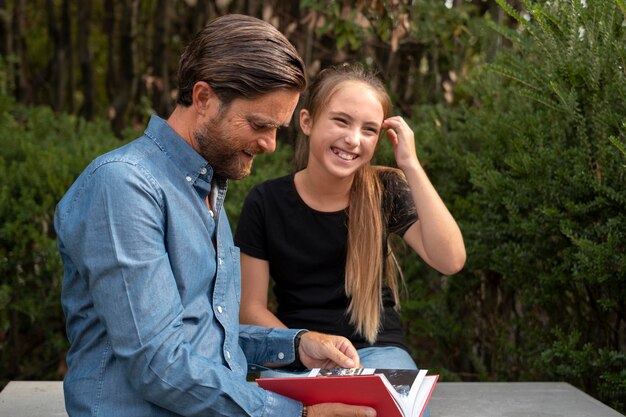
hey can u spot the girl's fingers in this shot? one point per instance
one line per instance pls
(393, 136)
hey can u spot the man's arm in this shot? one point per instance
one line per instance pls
(119, 247)
(275, 347)
(267, 347)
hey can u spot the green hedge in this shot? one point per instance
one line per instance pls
(41, 153)
(526, 163)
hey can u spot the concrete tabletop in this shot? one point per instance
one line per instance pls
(450, 399)
(515, 399)
(32, 399)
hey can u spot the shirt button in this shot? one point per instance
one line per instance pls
(188, 178)
(281, 355)
(227, 354)
(202, 171)
(219, 261)
(219, 309)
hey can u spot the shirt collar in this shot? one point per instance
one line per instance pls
(186, 159)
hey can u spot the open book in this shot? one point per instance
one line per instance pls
(392, 392)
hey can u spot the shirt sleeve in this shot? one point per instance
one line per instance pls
(120, 247)
(263, 345)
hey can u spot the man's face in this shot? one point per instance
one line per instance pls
(233, 135)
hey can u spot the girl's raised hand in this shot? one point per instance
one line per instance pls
(403, 141)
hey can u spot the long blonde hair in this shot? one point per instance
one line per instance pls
(367, 266)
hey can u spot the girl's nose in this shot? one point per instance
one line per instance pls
(353, 138)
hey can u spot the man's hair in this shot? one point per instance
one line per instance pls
(239, 57)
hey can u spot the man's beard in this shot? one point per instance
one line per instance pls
(223, 152)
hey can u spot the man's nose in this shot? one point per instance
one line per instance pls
(267, 142)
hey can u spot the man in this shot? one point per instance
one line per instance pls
(151, 285)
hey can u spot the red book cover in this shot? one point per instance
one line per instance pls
(369, 390)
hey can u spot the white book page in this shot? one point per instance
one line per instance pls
(404, 392)
(422, 395)
(341, 371)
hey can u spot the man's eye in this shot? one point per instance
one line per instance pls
(263, 126)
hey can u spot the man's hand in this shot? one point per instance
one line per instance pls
(319, 350)
(339, 410)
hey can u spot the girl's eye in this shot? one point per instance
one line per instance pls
(341, 121)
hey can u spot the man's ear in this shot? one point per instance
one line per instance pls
(305, 122)
(203, 98)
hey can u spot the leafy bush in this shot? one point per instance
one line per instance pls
(41, 153)
(526, 163)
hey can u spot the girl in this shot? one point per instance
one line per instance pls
(321, 233)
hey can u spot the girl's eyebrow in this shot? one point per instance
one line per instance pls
(347, 116)
(339, 113)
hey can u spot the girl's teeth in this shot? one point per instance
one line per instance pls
(343, 155)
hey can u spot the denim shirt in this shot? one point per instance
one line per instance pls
(151, 290)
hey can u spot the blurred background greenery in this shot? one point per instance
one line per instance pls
(519, 112)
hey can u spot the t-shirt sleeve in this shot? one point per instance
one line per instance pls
(251, 232)
(398, 204)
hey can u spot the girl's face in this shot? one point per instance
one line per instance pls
(344, 134)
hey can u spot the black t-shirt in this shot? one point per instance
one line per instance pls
(306, 251)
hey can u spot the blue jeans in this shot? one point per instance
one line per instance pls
(385, 357)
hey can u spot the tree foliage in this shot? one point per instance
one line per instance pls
(118, 59)
(540, 192)
(41, 154)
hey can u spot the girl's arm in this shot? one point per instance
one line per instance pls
(255, 280)
(435, 236)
